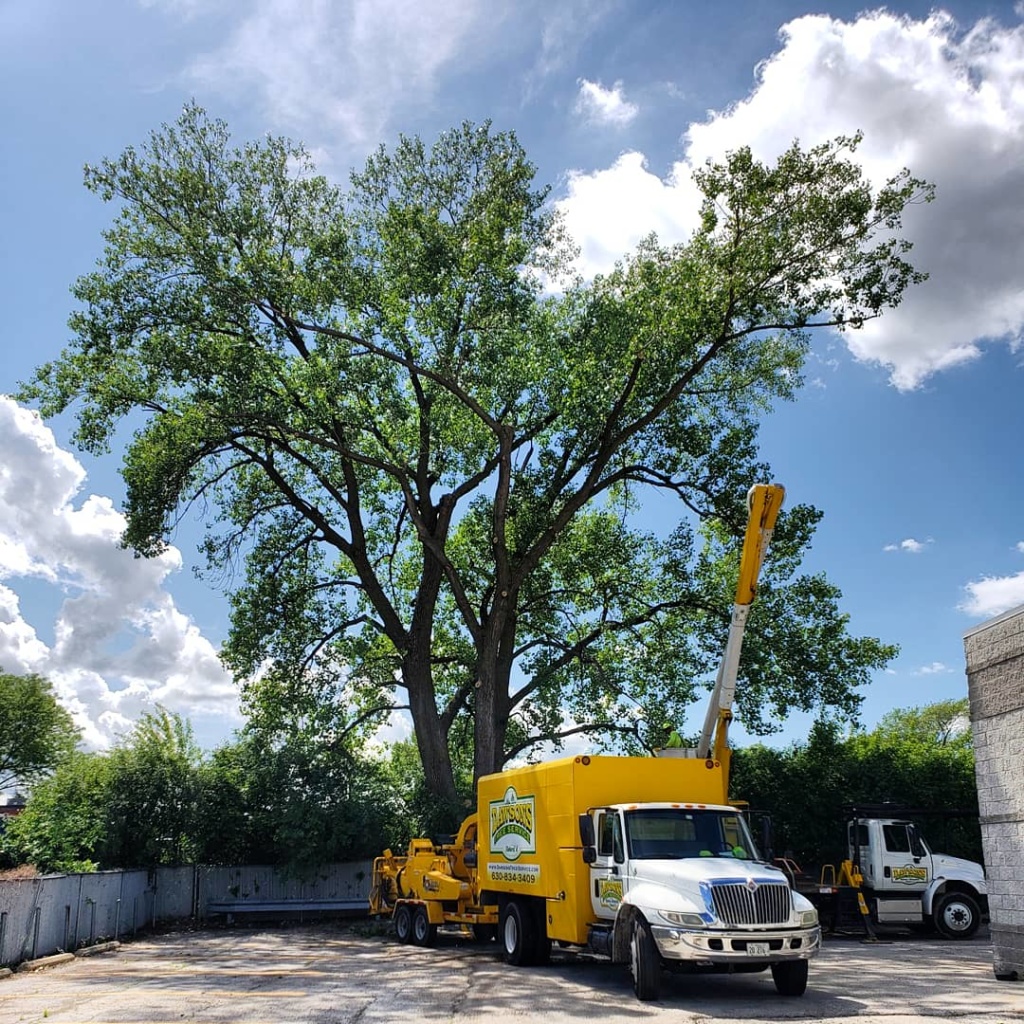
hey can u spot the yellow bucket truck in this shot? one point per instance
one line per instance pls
(640, 859)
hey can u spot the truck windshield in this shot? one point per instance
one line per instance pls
(672, 833)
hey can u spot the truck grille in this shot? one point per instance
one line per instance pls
(739, 903)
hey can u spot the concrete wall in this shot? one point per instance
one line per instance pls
(256, 884)
(61, 913)
(995, 677)
(52, 913)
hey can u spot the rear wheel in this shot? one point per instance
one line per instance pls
(423, 932)
(518, 934)
(403, 923)
(644, 962)
(790, 977)
(957, 915)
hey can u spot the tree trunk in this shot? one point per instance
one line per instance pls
(431, 738)
(491, 707)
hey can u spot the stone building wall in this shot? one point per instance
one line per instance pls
(995, 676)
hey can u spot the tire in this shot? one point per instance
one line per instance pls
(518, 934)
(790, 977)
(957, 915)
(423, 932)
(403, 923)
(644, 962)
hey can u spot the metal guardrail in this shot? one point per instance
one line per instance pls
(284, 906)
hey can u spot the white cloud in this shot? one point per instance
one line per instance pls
(993, 595)
(935, 668)
(911, 546)
(603, 210)
(321, 68)
(397, 728)
(1019, 546)
(120, 645)
(563, 29)
(946, 103)
(604, 106)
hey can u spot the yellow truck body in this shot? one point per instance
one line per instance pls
(528, 823)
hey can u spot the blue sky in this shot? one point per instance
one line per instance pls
(906, 434)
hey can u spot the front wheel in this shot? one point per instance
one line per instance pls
(423, 932)
(957, 915)
(518, 934)
(403, 923)
(790, 977)
(644, 962)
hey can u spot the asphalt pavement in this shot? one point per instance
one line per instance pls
(332, 974)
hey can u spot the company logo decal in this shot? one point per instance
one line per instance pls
(513, 825)
(909, 873)
(751, 885)
(609, 892)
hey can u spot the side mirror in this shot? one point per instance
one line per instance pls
(587, 839)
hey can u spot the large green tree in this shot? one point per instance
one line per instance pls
(428, 445)
(36, 731)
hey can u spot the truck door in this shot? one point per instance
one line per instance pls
(861, 852)
(606, 873)
(906, 866)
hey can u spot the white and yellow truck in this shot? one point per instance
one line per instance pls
(641, 859)
(896, 879)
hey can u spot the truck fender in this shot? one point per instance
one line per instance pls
(622, 932)
(638, 903)
(938, 886)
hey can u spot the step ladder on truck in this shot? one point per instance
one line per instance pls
(640, 859)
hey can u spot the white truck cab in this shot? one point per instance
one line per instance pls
(688, 887)
(909, 884)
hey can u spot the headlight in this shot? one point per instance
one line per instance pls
(687, 920)
(808, 918)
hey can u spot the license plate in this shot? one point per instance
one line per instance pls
(757, 949)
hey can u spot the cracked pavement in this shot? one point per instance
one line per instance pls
(344, 974)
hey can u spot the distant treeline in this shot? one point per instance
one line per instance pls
(304, 799)
(919, 759)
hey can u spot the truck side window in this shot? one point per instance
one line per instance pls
(917, 847)
(896, 840)
(605, 824)
(617, 849)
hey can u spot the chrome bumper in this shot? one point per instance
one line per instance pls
(723, 947)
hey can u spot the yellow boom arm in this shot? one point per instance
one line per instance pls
(764, 502)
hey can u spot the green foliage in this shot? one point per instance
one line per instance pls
(291, 805)
(131, 807)
(278, 795)
(294, 788)
(64, 824)
(430, 464)
(151, 804)
(944, 723)
(421, 812)
(806, 786)
(36, 732)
